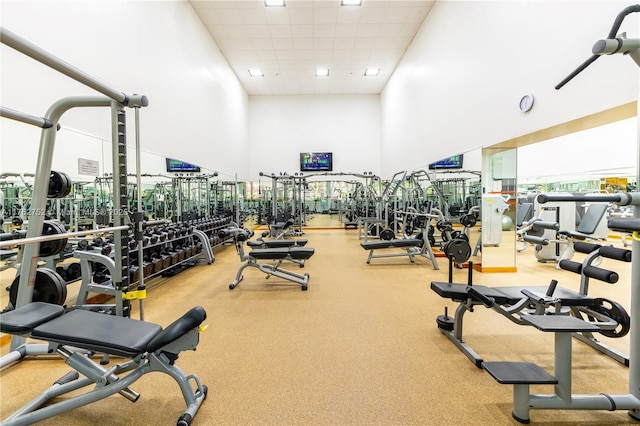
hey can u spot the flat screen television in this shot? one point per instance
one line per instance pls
(178, 166)
(316, 162)
(453, 162)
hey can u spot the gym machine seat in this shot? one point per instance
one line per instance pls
(148, 347)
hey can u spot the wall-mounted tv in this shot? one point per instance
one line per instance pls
(316, 162)
(453, 162)
(178, 166)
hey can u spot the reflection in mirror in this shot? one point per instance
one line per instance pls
(498, 210)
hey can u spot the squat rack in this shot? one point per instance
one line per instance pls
(116, 100)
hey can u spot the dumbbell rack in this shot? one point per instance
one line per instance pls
(90, 258)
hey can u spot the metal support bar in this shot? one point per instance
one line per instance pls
(43, 238)
(29, 49)
(25, 118)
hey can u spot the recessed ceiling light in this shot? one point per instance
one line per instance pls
(322, 72)
(350, 2)
(372, 72)
(270, 3)
(256, 73)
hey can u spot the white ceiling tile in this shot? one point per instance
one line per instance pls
(324, 30)
(365, 43)
(304, 30)
(261, 44)
(391, 30)
(277, 15)
(303, 43)
(301, 15)
(254, 16)
(346, 30)
(368, 30)
(372, 15)
(397, 15)
(344, 43)
(282, 43)
(325, 15)
(289, 43)
(280, 30)
(228, 16)
(232, 31)
(348, 15)
(323, 44)
(258, 30)
(303, 54)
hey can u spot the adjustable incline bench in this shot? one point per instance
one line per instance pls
(77, 333)
(270, 244)
(286, 251)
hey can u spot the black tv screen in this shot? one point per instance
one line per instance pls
(453, 162)
(180, 166)
(316, 162)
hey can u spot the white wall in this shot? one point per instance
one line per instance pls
(280, 127)
(458, 85)
(604, 151)
(197, 112)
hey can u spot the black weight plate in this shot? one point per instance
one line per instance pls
(387, 234)
(51, 248)
(457, 250)
(616, 312)
(49, 287)
(59, 185)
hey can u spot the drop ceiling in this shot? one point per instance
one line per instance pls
(289, 43)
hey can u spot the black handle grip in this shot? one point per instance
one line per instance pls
(552, 288)
(475, 294)
(611, 198)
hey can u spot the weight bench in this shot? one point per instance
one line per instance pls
(78, 333)
(411, 246)
(260, 243)
(278, 254)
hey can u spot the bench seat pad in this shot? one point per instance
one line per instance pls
(399, 242)
(98, 332)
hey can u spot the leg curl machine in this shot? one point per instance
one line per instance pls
(524, 374)
(77, 333)
(278, 254)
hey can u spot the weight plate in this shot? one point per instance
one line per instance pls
(457, 250)
(51, 248)
(387, 234)
(616, 312)
(49, 287)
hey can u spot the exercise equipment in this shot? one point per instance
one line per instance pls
(278, 255)
(523, 375)
(610, 317)
(147, 348)
(493, 208)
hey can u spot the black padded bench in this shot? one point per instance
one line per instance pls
(409, 244)
(297, 253)
(510, 295)
(147, 346)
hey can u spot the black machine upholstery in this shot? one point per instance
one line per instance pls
(398, 242)
(509, 295)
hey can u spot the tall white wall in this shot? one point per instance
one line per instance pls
(198, 111)
(458, 85)
(280, 127)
